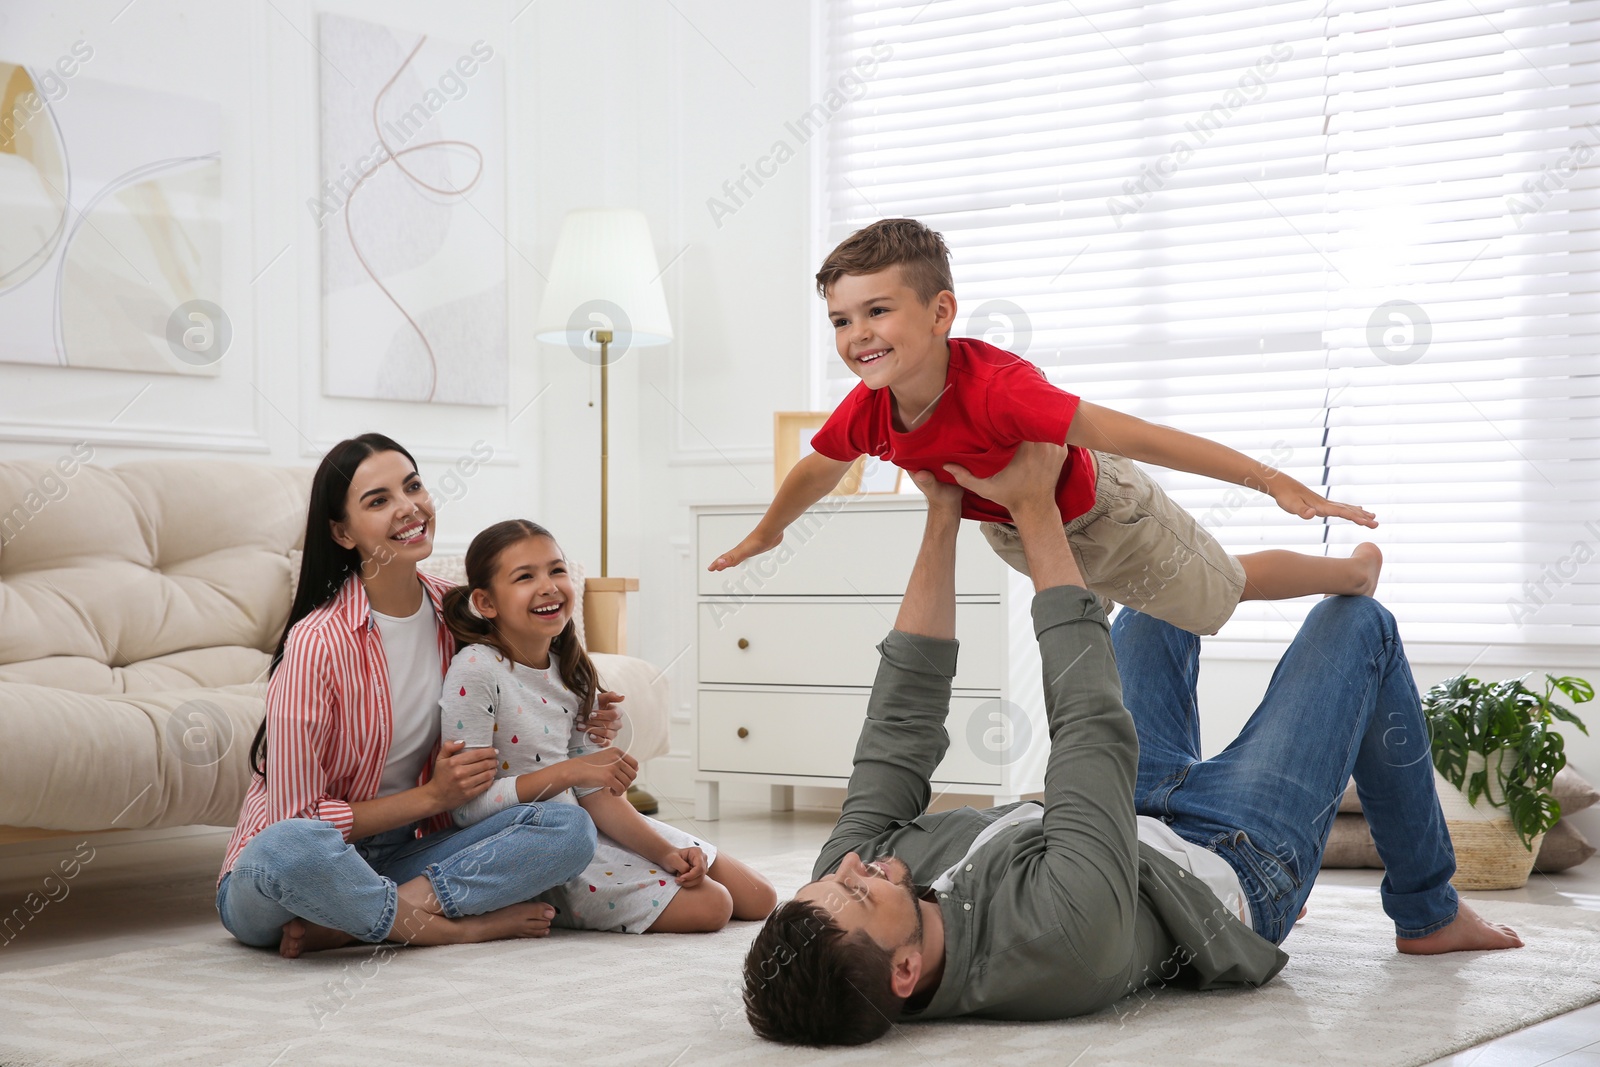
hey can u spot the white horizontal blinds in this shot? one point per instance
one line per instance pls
(1160, 190)
(1458, 136)
(1121, 174)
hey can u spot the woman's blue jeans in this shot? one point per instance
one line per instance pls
(305, 868)
(1341, 704)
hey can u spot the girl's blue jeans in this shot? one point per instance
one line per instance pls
(1341, 704)
(305, 868)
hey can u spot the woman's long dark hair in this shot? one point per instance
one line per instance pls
(483, 559)
(324, 563)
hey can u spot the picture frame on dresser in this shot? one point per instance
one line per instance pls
(787, 652)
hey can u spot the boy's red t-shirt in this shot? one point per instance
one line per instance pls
(993, 401)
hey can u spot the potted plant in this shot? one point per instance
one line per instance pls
(1495, 745)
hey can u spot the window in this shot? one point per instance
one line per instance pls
(1360, 242)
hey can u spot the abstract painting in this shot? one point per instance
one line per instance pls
(110, 221)
(411, 209)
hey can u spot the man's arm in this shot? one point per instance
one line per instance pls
(1091, 841)
(1106, 430)
(904, 738)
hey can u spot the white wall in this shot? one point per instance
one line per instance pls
(609, 102)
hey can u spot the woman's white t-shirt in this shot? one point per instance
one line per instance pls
(411, 647)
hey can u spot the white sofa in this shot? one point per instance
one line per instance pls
(139, 607)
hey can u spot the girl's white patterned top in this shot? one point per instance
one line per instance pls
(527, 714)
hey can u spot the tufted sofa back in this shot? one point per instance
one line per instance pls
(153, 575)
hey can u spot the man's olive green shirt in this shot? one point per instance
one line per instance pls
(1058, 916)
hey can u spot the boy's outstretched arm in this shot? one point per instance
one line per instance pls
(1106, 430)
(806, 483)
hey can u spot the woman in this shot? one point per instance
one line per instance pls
(345, 834)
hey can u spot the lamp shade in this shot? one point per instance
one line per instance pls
(604, 276)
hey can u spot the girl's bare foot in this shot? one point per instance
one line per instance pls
(1470, 932)
(300, 936)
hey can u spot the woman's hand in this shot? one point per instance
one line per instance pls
(1297, 499)
(459, 774)
(605, 722)
(689, 864)
(610, 769)
(941, 495)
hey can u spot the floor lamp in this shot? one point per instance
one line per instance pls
(605, 289)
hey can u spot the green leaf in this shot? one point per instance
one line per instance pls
(1579, 690)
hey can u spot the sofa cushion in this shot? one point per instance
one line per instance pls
(78, 761)
(192, 668)
(134, 563)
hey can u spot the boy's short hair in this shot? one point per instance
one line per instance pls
(921, 255)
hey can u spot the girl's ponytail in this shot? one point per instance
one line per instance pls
(464, 622)
(577, 669)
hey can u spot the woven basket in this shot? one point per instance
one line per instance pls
(1489, 855)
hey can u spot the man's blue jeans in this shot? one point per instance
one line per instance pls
(1341, 704)
(305, 868)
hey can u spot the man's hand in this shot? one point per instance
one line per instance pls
(941, 495)
(1028, 482)
(755, 544)
(605, 721)
(1297, 499)
(460, 773)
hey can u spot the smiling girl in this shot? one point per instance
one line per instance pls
(345, 834)
(521, 684)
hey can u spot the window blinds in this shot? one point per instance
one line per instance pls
(1360, 242)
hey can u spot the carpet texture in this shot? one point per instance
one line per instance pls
(1346, 997)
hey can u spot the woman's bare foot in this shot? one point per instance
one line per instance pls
(527, 919)
(300, 936)
(1469, 932)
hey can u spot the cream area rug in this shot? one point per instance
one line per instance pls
(1346, 997)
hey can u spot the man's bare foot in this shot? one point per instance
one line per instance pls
(1469, 932)
(300, 936)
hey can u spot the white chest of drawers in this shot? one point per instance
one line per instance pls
(787, 652)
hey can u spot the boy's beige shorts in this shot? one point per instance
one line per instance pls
(1136, 547)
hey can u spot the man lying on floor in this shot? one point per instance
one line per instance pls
(1146, 865)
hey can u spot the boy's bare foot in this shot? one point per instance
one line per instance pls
(300, 936)
(1371, 559)
(1366, 562)
(1469, 932)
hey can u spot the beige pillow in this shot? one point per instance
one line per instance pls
(1569, 788)
(1350, 845)
(1563, 847)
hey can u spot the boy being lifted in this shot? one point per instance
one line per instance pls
(959, 407)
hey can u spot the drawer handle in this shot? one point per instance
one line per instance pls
(743, 732)
(743, 643)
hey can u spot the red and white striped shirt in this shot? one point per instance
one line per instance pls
(330, 719)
